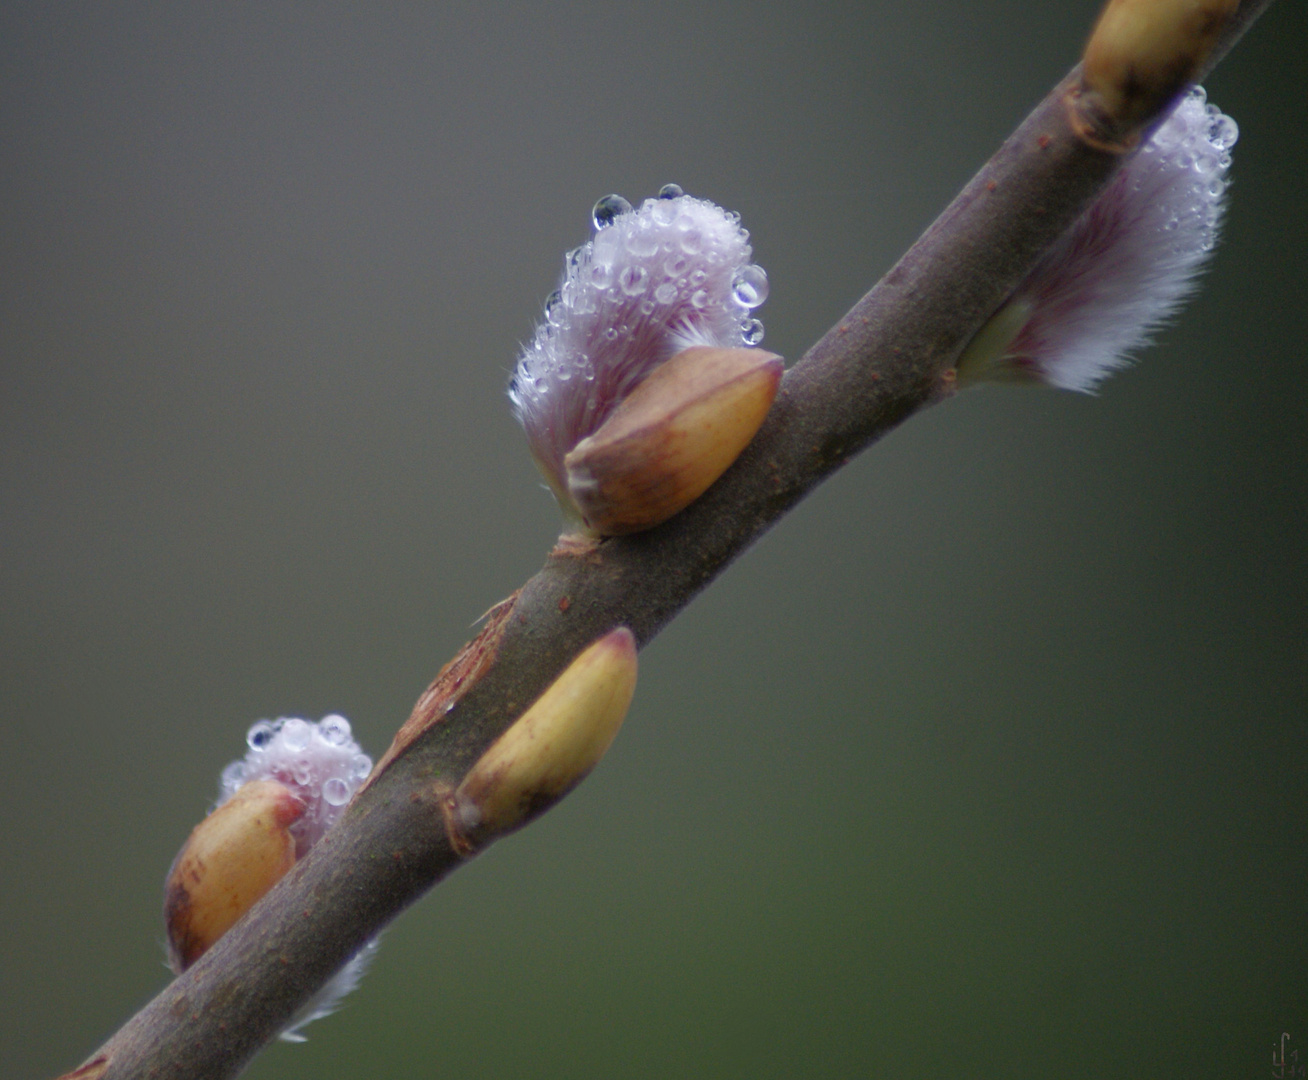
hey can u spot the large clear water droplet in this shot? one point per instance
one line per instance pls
(296, 734)
(750, 286)
(334, 729)
(607, 208)
(336, 792)
(676, 265)
(554, 308)
(665, 293)
(604, 248)
(633, 280)
(671, 191)
(642, 244)
(261, 733)
(1223, 131)
(751, 331)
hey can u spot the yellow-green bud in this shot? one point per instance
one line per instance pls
(550, 748)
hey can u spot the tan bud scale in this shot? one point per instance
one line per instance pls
(230, 860)
(671, 437)
(553, 745)
(1142, 53)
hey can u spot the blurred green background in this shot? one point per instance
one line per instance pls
(989, 761)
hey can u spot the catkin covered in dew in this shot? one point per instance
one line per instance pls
(652, 282)
(1124, 268)
(276, 803)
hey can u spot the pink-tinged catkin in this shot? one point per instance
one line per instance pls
(652, 281)
(1126, 266)
(322, 765)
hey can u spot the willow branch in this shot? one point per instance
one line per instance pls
(890, 356)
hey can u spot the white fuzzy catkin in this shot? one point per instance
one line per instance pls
(651, 282)
(1129, 262)
(322, 765)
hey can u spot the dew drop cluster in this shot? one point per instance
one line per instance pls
(1191, 153)
(652, 280)
(319, 762)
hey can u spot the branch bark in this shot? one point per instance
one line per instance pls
(890, 356)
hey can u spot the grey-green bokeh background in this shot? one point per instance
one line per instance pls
(991, 759)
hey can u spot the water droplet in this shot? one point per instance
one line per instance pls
(296, 734)
(1223, 132)
(699, 298)
(671, 191)
(697, 277)
(750, 286)
(633, 280)
(676, 265)
(336, 792)
(751, 331)
(573, 258)
(302, 770)
(260, 734)
(607, 208)
(610, 334)
(601, 276)
(334, 729)
(604, 248)
(665, 293)
(647, 307)
(692, 241)
(554, 310)
(642, 244)
(1216, 186)
(664, 212)
(361, 766)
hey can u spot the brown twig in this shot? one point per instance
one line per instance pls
(888, 357)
